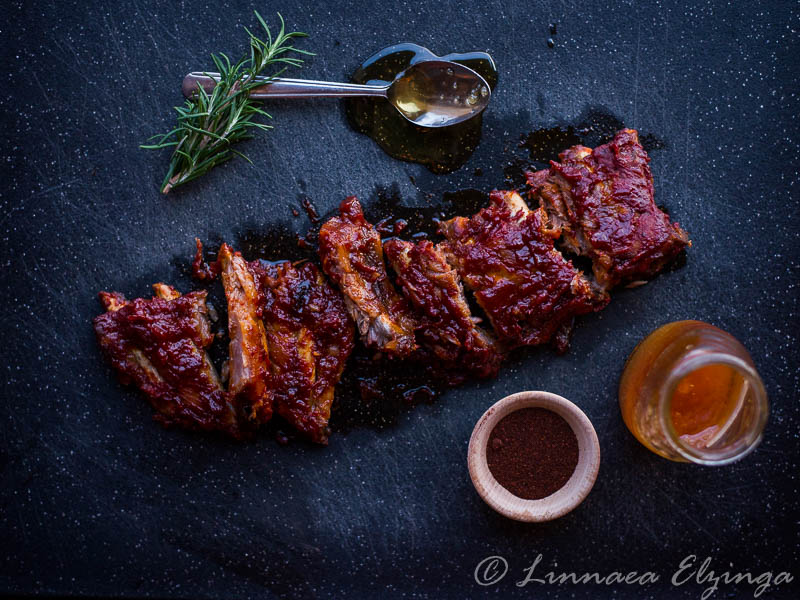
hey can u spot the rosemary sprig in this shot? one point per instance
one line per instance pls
(208, 125)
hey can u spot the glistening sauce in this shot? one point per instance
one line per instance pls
(443, 149)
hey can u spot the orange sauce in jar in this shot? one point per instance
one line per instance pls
(689, 392)
(703, 402)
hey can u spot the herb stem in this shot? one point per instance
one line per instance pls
(208, 125)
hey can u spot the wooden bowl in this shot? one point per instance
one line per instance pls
(558, 503)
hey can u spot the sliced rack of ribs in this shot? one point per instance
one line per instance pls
(352, 256)
(291, 332)
(446, 326)
(159, 345)
(601, 202)
(310, 336)
(506, 255)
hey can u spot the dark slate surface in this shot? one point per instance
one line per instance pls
(98, 500)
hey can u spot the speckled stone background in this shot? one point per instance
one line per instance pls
(97, 500)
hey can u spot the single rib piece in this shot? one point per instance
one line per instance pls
(505, 254)
(310, 337)
(249, 371)
(447, 328)
(352, 256)
(159, 344)
(601, 201)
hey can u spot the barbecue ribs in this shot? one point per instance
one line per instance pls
(159, 344)
(310, 337)
(601, 202)
(291, 332)
(249, 370)
(505, 254)
(447, 326)
(352, 256)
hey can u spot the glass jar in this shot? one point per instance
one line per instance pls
(690, 392)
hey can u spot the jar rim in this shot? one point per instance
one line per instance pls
(693, 362)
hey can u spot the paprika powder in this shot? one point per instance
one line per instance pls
(532, 452)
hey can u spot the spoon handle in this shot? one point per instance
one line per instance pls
(281, 87)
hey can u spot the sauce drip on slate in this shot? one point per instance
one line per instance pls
(594, 128)
(532, 452)
(442, 150)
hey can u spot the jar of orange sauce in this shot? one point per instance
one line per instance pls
(690, 392)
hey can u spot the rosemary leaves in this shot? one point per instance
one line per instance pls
(209, 124)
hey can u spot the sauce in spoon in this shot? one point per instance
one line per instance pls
(442, 150)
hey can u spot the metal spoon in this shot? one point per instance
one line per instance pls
(431, 93)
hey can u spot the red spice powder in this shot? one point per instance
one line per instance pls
(532, 452)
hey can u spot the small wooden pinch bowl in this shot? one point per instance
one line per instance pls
(558, 503)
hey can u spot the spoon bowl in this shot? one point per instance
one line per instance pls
(430, 93)
(438, 93)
